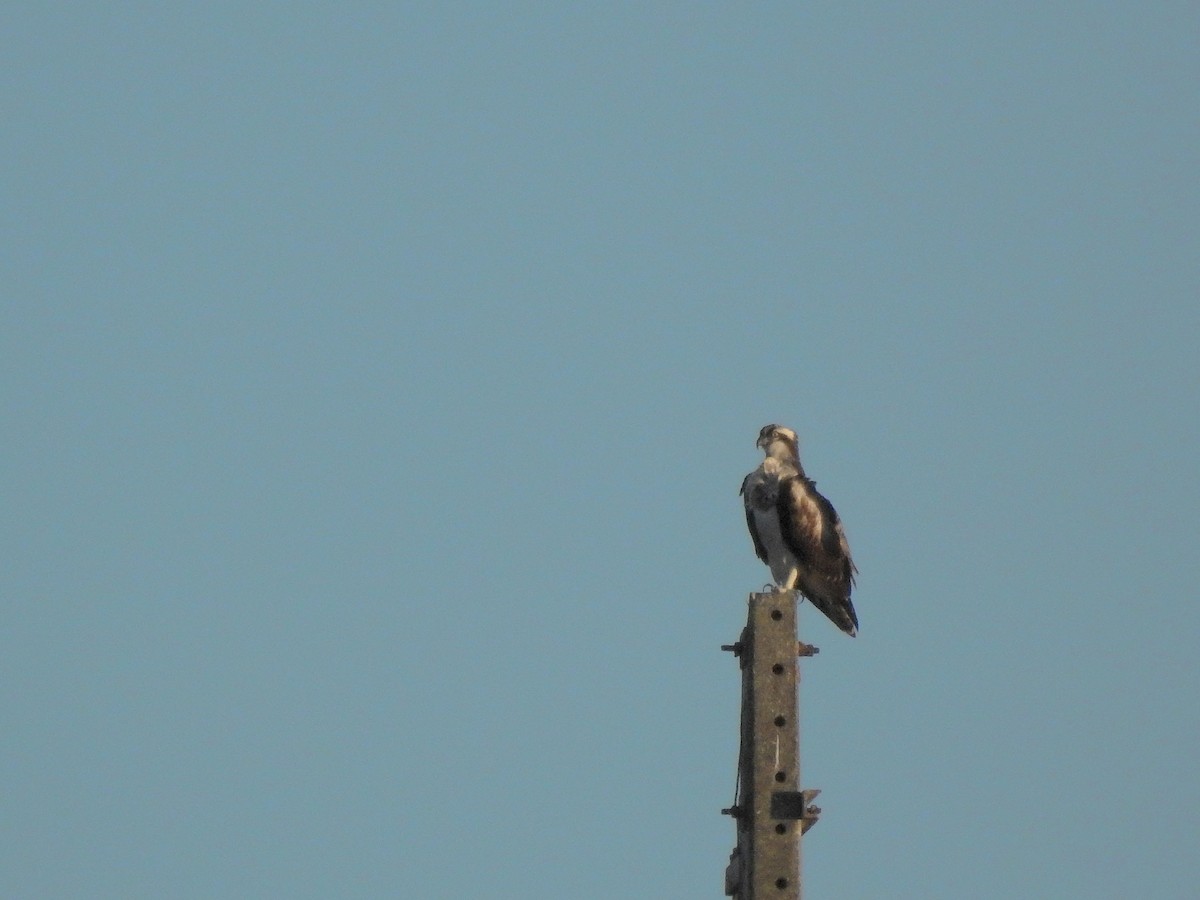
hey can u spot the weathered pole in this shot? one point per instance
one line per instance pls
(771, 810)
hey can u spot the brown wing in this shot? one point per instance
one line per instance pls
(758, 544)
(813, 532)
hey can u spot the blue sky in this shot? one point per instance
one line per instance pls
(378, 381)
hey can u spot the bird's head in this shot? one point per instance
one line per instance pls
(779, 441)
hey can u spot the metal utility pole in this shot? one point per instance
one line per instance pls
(771, 810)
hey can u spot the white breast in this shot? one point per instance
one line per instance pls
(762, 488)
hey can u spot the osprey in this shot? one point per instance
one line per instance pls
(797, 532)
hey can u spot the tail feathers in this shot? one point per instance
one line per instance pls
(840, 612)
